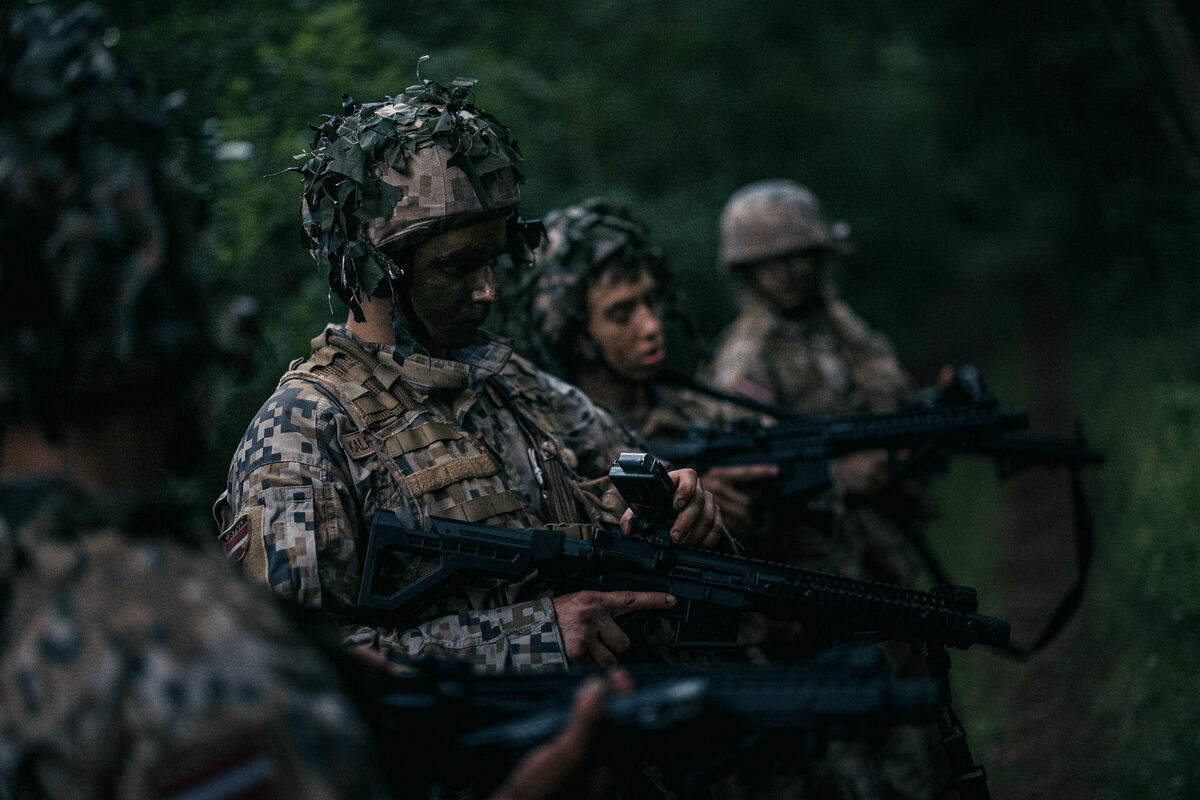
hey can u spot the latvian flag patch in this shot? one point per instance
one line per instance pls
(237, 538)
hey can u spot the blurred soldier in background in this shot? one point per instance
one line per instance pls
(410, 407)
(133, 664)
(596, 317)
(798, 345)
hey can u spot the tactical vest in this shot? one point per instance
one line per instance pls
(440, 468)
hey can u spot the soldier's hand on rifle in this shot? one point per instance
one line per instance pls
(862, 473)
(699, 523)
(559, 768)
(737, 506)
(588, 622)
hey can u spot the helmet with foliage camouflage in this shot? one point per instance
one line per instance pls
(583, 242)
(102, 274)
(389, 175)
(771, 218)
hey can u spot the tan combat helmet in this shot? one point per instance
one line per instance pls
(390, 175)
(771, 218)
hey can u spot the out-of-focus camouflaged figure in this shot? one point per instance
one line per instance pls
(136, 667)
(796, 344)
(131, 664)
(409, 203)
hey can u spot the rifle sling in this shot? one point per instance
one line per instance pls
(1085, 545)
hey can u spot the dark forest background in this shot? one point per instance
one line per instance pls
(1022, 182)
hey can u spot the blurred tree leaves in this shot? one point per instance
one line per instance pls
(985, 157)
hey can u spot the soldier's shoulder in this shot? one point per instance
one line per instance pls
(522, 373)
(754, 324)
(853, 329)
(214, 661)
(296, 423)
(698, 406)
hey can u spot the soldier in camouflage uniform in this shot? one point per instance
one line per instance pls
(798, 345)
(411, 203)
(132, 665)
(596, 318)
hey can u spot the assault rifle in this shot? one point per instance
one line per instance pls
(802, 447)
(712, 588)
(700, 721)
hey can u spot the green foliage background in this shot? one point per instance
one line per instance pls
(1022, 184)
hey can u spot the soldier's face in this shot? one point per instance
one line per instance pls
(624, 317)
(790, 283)
(453, 287)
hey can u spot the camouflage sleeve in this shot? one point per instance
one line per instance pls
(587, 430)
(878, 376)
(293, 515)
(524, 637)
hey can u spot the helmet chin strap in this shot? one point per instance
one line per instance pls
(405, 322)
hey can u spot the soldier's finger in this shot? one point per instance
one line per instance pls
(613, 637)
(714, 535)
(686, 483)
(731, 502)
(600, 652)
(620, 682)
(681, 529)
(546, 770)
(702, 515)
(626, 522)
(619, 603)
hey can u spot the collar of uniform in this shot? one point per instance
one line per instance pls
(468, 367)
(772, 322)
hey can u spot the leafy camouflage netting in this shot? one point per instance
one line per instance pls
(391, 174)
(101, 273)
(549, 308)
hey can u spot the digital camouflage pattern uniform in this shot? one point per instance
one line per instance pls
(358, 427)
(131, 666)
(135, 667)
(827, 362)
(481, 436)
(674, 410)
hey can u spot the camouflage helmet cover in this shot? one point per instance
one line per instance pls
(102, 274)
(582, 243)
(770, 218)
(394, 173)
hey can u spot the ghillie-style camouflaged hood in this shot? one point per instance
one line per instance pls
(582, 243)
(101, 275)
(389, 175)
